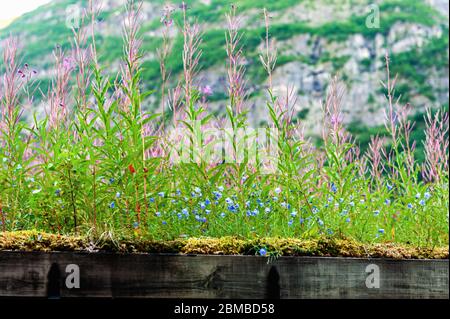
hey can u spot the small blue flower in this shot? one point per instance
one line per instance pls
(200, 219)
(352, 204)
(427, 195)
(410, 206)
(164, 222)
(222, 215)
(220, 188)
(207, 211)
(158, 214)
(290, 222)
(111, 180)
(247, 204)
(333, 188)
(263, 252)
(387, 201)
(418, 195)
(389, 187)
(275, 198)
(207, 202)
(294, 213)
(315, 210)
(217, 195)
(198, 190)
(344, 212)
(161, 194)
(302, 220)
(202, 205)
(348, 220)
(180, 216)
(135, 225)
(422, 202)
(229, 201)
(320, 222)
(277, 190)
(376, 213)
(341, 200)
(267, 210)
(112, 205)
(58, 192)
(185, 211)
(118, 195)
(283, 204)
(330, 231)
(381, 231)
(152, 200)
(178, 192)
(252, 212)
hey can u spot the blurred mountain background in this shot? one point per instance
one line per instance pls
(315, 40)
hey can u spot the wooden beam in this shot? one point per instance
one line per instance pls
(39, 274)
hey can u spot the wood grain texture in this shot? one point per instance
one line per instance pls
(38, 274)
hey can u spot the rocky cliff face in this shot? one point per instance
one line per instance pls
(315, 40)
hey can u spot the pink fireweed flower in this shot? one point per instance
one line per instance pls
(167, 15)
(68, 64)
(336, 119)
(206, 90)
(168, 23)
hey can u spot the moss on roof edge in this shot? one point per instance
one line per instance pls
(325, 247)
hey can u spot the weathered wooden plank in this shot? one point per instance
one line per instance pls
(339, 278)
(37, 274)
